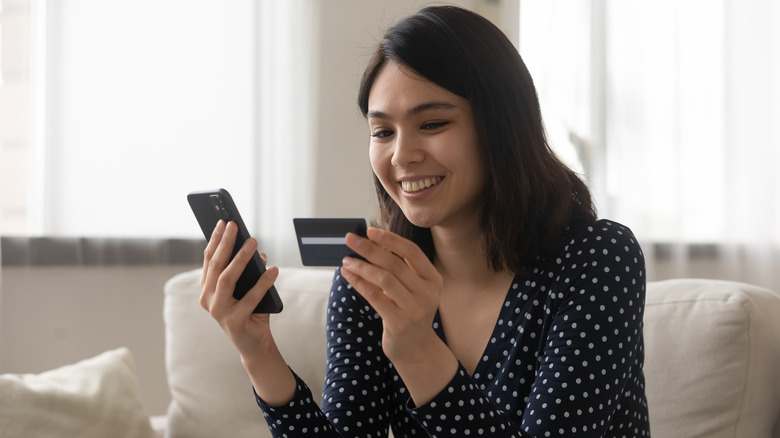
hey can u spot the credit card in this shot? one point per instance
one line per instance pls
(321, 240)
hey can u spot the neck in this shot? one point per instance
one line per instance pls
(459, 254)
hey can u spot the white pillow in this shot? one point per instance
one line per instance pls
(97, 397)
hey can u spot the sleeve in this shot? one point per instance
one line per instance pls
(301, 417)
(593, 349)
(462, 410)
(356, 397)
(357, 394)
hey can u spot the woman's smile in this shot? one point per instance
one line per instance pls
(424, 148)
(418, 185)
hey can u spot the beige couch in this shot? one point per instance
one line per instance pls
(712, 357)
(712, 368)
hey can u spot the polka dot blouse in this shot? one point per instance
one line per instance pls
(565, 359)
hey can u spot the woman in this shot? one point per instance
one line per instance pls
(491, 302)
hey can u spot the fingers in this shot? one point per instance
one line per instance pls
(396, 274)
(212, 266)
(226, 281)
(211, 248)
(386, 280)
(391, 251)
(400, 257)
(224, 237)
(356, 271)
(246, 305)
(220, 273)
(216, 257)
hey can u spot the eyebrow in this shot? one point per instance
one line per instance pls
(413, 111)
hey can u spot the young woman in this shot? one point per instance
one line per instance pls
(491, 301)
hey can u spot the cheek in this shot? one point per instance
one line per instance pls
(378, 163)
(381, 166)
(373, 158)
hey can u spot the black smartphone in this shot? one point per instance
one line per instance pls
(211, 206)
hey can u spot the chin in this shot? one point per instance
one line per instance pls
(420, 221)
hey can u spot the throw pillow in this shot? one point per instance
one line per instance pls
(97, 397)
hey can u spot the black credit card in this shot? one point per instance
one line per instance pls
(321, 241)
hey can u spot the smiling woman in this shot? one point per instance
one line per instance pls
(488, 296)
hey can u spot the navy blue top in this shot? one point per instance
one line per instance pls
(565, 359)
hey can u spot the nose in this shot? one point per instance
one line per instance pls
(407, 151)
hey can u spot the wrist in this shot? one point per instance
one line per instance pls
(427, 373)
(257, 357)
(271, 377)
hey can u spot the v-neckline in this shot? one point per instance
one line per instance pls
(439, 329)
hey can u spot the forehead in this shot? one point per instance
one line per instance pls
(398, 88)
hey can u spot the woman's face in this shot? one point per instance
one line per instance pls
(424, 149)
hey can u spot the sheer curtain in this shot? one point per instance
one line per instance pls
(285, 157)
(130, 105)
(673, 108)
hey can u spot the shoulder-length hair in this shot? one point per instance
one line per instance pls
(530, 197)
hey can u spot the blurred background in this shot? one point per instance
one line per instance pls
(111, 111)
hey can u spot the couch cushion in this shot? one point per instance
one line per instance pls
(211, 393)
(97, 397)
(712, 364)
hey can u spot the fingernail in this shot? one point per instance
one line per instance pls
(346, 262)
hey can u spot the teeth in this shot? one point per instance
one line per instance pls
(416, 186)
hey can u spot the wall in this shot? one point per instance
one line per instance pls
(53, 316)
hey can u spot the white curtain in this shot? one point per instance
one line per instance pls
(133, 104)
(286, 104)
(674, 106)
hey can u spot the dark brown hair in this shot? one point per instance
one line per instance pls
(530, 197)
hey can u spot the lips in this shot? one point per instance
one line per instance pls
(420, 184)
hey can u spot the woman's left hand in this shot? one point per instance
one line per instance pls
(402, 285)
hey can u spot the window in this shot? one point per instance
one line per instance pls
(137, 103)
(133, 104)
(15, 109)
(670, 106)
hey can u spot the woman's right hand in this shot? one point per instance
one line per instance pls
(250, 332)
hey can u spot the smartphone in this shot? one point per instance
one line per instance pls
(211, 206)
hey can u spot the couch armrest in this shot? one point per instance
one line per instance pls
(211, 393)
(712, 358)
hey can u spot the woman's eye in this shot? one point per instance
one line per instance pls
(382, 134)
(432, 125)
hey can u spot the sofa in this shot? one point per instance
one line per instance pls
(712, 367)
(712, 364)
